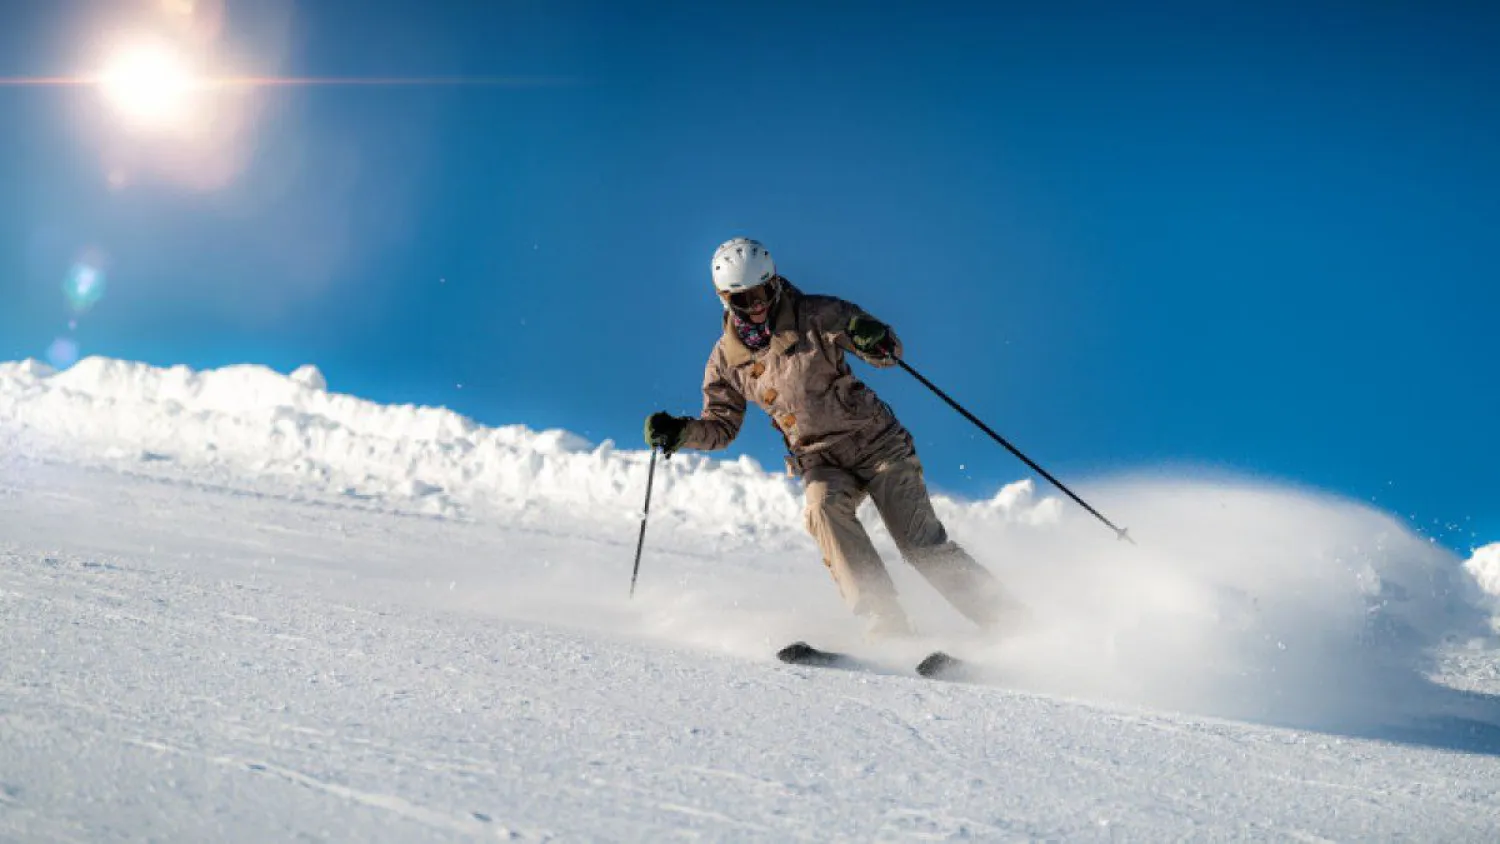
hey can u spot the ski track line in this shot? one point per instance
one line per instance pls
(711, 815)
(387, 802)
(1211, 732)
(896, 719)
(651, 798)
(255, 736)
(944, 827)
(1189, 808)
(779, 787)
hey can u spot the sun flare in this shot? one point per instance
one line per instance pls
(149, 84)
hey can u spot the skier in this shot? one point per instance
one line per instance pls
(785, 351)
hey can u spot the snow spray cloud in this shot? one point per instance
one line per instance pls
(1484, 567)
(1243, 599)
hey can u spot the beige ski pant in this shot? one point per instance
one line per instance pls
(900, 495)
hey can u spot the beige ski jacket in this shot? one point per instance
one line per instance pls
(803, 381)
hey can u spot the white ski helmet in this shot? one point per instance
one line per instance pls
(741, 264)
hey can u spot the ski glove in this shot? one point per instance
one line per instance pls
(665, 431)
(870, 336)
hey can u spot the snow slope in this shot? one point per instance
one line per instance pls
(238, 606)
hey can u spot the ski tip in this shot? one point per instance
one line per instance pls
(801, 653)
(938, 664)
(796, 652)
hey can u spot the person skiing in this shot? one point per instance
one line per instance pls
(785, 350)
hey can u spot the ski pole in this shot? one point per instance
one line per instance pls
(645, 513)
(1120, 533)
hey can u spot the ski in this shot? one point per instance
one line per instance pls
(801, 653)
(935, 666)
(941, 666)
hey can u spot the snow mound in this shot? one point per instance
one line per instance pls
(26, 370)
(310, 377)
(254, 422)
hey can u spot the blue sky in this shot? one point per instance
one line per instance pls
(1256, 238)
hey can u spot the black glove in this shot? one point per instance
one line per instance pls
(665, 431)
(870, 336)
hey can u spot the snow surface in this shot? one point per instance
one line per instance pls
(241, 607)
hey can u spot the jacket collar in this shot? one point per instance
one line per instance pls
(783, 329)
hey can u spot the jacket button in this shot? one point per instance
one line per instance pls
(757, 369)
(788, 421)
(768, 396)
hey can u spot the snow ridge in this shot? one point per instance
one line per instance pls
(253, 420)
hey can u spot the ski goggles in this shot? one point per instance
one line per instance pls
(747, 300)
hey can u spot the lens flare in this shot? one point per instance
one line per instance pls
(84, 287)
(63, 353)
(150, 84)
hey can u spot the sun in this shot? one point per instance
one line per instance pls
(150, 84)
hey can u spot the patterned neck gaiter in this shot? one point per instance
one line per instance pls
(755, 337)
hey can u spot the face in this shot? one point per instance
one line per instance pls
(754, 304)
